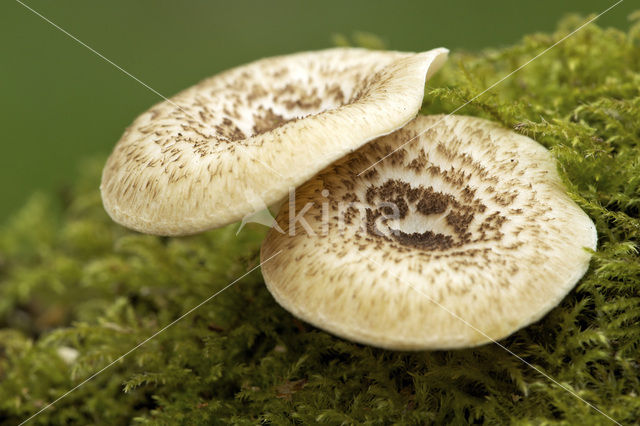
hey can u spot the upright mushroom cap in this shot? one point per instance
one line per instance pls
(238, 141)
(460, 237)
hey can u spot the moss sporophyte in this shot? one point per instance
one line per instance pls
(77, 283)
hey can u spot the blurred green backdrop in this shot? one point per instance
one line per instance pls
(62, 103)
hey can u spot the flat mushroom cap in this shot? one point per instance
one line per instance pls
(462, 236)
(237, 142)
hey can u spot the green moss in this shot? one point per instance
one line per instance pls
(70, 278)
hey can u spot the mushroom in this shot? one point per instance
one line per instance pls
(212, 153)
(460, 237)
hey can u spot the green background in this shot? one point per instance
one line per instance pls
(61, 102)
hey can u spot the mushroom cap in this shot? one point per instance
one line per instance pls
(236, 142)
(483, 239)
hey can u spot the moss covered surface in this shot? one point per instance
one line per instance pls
(78, 291)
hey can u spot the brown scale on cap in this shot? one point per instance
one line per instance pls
(398, 199)
(242, 138)
(267, 120)
(469, 216)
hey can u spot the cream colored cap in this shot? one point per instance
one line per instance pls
(240, 140)
(460, 237)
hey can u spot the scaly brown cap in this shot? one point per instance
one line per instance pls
(462, 236)
(240, 140)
